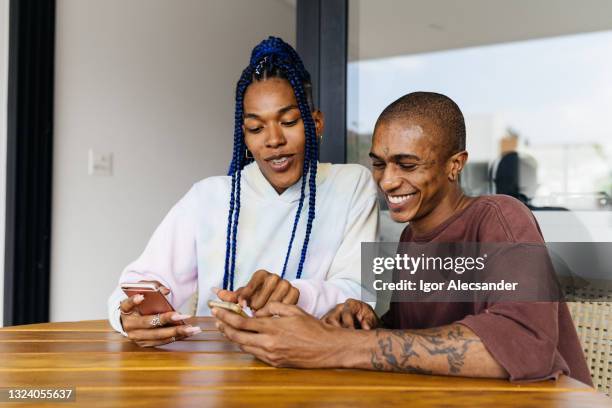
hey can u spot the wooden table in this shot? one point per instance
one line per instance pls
(207, 370)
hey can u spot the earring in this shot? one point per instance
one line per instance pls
(248, 155)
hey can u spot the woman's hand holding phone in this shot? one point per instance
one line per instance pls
(151, 330)
(263, 288)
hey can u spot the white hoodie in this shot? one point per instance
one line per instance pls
(187, 250)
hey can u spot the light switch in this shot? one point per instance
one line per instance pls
(99, 164)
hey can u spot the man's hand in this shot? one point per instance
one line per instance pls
(145, 331)
(292, 338)
(263, 288)
(353, 314)
(285, 336)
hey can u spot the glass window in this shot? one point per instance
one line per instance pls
(543, 99)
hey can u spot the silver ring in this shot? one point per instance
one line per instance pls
(156, 321)
(172, 339)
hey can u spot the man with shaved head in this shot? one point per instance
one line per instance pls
(418, 153)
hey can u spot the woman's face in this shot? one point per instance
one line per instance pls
(274, 131)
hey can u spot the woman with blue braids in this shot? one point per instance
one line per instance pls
(280, 227)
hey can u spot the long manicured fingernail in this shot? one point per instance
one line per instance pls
(193, 330)
(138, 298)
(176, 317)
(215, 290)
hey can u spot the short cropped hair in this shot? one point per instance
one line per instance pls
(439, 109)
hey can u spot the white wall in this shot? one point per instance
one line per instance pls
(151, 81)
(4, 23)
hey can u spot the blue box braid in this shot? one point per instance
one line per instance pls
(236, 165)
(272, 58)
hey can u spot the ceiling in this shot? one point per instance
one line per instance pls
(384, 28)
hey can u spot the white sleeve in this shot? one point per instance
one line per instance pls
(343, 280)
(170, 257)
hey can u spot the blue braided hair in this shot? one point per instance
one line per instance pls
(273, 58)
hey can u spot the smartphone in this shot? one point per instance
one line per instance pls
(232, 307)
(154, 301)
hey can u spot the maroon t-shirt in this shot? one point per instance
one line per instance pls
(532, 341)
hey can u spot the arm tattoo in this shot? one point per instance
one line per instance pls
(400, 350)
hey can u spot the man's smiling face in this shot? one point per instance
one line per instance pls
(408, 165)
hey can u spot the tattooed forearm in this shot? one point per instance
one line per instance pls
(385, 359)
(414, 351)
